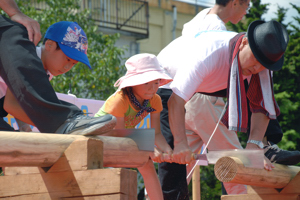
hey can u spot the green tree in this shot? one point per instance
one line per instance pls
(287, 83)
(104, 56)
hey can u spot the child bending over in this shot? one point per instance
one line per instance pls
(65, 44)
(135, 98)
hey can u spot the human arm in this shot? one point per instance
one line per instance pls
(120, 123)
(32, 26)
(12, 106)
(259, 124)
(181, 153)
(162, 147)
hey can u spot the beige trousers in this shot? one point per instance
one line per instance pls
(202, 115)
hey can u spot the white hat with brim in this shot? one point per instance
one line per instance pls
(141, 69)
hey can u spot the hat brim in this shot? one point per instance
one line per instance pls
(250, 35)
(75, 55)
(143, 78)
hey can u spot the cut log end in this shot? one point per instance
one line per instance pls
(232, 170)
(226, 169)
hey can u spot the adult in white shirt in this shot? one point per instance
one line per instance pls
(201, 105)
(215, 19)
(206, 67)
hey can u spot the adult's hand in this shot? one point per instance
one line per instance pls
(32, 26)
(267, 163)
(182, 154)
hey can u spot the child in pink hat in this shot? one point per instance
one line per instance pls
(135, 98)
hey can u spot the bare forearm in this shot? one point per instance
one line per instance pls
(10, 7)
(259, 124)
(177, 119)
(32, 26)
(182, 153)
(161, 143)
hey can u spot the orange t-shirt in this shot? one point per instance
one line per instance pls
(119, 105)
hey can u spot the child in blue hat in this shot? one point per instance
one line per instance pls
(24, 74)
(65, 44)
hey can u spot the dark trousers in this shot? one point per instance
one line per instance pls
(172, 176)
(23, 72)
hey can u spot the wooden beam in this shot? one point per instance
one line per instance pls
(293, 186)
(84, 153)
(69, 184)
(33, 149)
(47, 196)
(261, 190)
(260, 197)
(232, 170)
(196, 183)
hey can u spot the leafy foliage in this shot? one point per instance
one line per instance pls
(104, 56)
(287, 84)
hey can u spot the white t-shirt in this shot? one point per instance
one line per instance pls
(203, 22)
(3, 86)
(197, 64)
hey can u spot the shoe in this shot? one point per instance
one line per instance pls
(81, 124)
(280, 156)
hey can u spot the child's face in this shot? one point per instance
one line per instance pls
(55, 61)
(146, 90)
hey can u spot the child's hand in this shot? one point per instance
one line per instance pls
(159, 156)
(168, 154)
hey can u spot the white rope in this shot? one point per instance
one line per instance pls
(192, 170)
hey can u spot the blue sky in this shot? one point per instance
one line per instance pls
(283, 3)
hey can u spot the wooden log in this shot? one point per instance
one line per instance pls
(232, 170)
(122, 152)
(117, 152)
(43, 150)
(33, 149)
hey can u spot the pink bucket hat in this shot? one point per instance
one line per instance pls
(142, 68)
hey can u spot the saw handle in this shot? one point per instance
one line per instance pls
(165, 155)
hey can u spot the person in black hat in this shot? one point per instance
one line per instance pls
(217, 60)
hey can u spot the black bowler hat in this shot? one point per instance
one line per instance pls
(268, 42)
